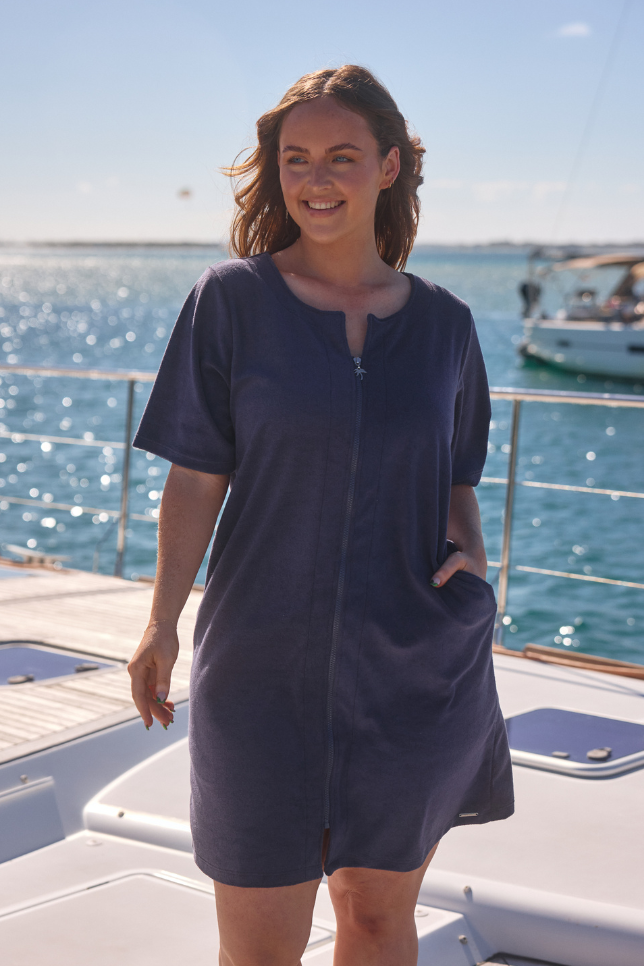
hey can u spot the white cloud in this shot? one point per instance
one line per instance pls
(84, 187)
(541, 190)
(491, 191)
(577, 29)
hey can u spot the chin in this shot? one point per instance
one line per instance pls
(324, 235)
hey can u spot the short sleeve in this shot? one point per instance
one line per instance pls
(472, 413)
(187, 419)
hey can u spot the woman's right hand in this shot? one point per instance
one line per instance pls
(189, 508)
(151, 669)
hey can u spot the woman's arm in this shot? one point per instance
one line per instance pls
(464, 529)
(189, 509)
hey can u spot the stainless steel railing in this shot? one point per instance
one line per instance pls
(131, 377)
(515, 396)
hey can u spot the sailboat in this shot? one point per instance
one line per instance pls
(597, 330)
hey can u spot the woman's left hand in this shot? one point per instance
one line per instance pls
(463, 530)
(460, 560)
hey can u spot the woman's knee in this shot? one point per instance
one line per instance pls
(363, 904)
(375, 925)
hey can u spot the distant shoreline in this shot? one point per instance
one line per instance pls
(420, 248)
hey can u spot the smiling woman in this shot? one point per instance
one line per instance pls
(343, 710)
(262, 222)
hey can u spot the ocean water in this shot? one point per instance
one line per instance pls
(115, 307)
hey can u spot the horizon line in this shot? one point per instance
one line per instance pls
(214, 243)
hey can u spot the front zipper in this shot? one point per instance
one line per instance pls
(359, 372)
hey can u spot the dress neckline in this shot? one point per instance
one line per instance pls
(276, 276)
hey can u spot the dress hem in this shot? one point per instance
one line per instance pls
(252, 880)
(352, 862)
(496, 815)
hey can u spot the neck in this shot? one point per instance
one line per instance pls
(351, 262)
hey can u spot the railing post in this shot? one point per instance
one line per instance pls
(502, 594)
(125, 482)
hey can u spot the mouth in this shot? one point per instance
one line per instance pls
(323, 205)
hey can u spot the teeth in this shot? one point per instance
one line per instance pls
(320, 205)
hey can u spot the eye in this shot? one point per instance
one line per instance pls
(296, 160)
(341, 157)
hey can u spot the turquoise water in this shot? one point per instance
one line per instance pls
(114, 308)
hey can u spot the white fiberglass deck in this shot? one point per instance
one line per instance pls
(569, 835)
(89, 613)
(560, 882)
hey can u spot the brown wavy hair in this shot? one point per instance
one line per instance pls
(261, 222)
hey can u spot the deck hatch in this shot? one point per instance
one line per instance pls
(22, 662)
(584, 745)
(104, 924)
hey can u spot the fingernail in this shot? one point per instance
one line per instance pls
(147, 727)
(165, 727)
(161, 696)
(435, 582)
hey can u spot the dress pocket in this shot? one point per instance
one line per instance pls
(469, 598)
(468, 575)
(477, 584)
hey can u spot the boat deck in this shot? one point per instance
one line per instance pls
(559, 882)
(571, 836)
(95, 615)
(99, 839)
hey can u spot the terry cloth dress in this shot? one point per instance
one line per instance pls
(332, 685)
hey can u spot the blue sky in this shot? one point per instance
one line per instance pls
(109, 109)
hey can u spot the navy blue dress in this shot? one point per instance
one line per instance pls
(332, 685)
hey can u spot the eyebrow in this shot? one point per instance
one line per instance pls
(343, 147)
(346, 146)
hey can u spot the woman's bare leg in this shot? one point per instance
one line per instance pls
(375, 916)
(264, 927)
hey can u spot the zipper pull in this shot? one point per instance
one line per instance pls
(359, 371)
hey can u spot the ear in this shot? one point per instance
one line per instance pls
(390, 168)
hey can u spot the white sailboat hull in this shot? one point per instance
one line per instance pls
(592, 347)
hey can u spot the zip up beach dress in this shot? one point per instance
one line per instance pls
(332, 685)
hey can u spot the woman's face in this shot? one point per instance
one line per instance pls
(331, 170)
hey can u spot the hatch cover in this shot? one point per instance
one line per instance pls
(573, 743)
(22, 662)
(139, 919)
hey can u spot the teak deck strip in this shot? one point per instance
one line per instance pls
(100, 616)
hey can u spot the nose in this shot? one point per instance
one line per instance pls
(319, 176)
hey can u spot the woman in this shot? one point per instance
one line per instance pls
(344, 713)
